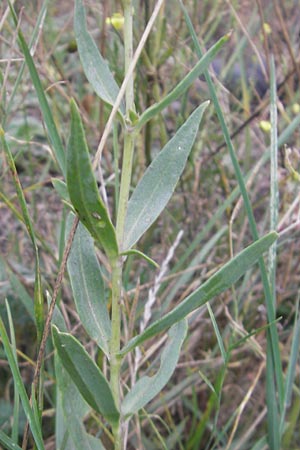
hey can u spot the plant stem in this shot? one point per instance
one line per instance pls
(115, 361)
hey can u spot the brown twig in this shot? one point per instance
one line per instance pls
(46, 331)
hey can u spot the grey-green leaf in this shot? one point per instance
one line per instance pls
(86, 375)
(217, 283)
(148, 387)
(83, 189)
(87, 286)
(61, 188)
(94, 66)
(184, 84)
(159, 181)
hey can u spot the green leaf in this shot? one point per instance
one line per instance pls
(88, 288)
(146, 387)
(34, 426)
(86, 375)
(61, 188)
(83, 190)
(184, 84)
(71, 409)
(217, 283)
(142, 255)
(70, 405)
(94, 66)
(159, 181)
(8, 442)
(47, 114)
(38, 292)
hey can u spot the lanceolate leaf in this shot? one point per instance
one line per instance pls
(88, 378)
(148, 387)
(94, 66)
(217, 283)
(83, 188)
(159, 181)
(87, 286)
(184, 84)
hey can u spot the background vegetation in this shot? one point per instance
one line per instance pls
(217, 396)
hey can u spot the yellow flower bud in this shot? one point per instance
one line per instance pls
(265, 125)
(267, 28)
(116, 20)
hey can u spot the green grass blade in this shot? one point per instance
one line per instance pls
(292, 366)
(34, 426)
(83, 189)
(16, 414)
(47, 115)
(88, 287)
(94, 66)
(157, 185)
(38, 293)
(273, 435)
(35, 33)
(146, 387)
(217, 332)
(266, 285)
(22, 294)
(217, 283)
(184, 84)
(87, 377)
(8, 442)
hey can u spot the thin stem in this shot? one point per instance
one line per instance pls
(115, 361)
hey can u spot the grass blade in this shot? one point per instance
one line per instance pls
(34, 426)
(266, 285)
(38, 293)
(47, 115)
(8, 442)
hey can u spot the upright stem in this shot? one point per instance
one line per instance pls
(115, 362)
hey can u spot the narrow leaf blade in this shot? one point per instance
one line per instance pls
(47, 115)
(87, 286)
(159, 181)
(217, 283)
(83, 188)
(148, 387)
(88, 378)
(8, 442)
(94, 66)
(184, 84)
(34, 426)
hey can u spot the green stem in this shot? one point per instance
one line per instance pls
(115, 361)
